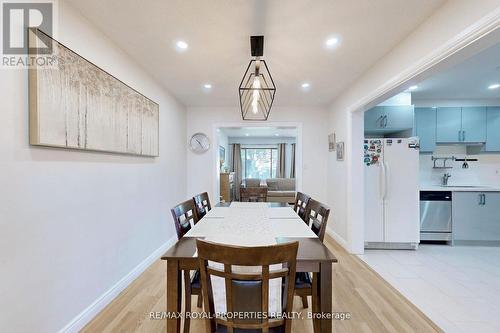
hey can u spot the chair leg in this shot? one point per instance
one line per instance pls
(304, 301)
(200, 301)
(187, 300)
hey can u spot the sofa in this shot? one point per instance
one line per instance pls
(281, 190)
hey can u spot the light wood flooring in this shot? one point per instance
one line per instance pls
(374, 305)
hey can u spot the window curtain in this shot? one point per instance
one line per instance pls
(280, 166)
(292, 162)
(236, 168)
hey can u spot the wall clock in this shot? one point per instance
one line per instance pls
(199, 143)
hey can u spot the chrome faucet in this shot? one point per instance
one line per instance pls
(444, 180)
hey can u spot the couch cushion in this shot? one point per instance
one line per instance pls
(281, 184)
(252, 182)
(281, 194)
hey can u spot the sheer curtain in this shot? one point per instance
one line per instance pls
(292, 162)
(236, 168)
(280, 166)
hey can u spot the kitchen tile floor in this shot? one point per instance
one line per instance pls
(457, 287)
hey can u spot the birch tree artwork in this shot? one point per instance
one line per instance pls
(75, 104)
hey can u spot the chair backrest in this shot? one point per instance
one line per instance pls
(317, 215)
(252, 182)
(257, 194)
(301, 201)
(248, 291)
(202, 202)
(183, 214)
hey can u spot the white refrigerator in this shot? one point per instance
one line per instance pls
(391, 193)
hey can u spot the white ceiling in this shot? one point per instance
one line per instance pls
(219, 48)
(260, 132)
(467, 80)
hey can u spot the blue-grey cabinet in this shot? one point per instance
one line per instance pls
(476, 216)
(474, 124)
(448, 124)
(461, 124)
(493, 129)
(425, 128)
(388, 119)
(374, 118)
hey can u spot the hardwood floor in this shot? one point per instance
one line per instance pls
(373, 304)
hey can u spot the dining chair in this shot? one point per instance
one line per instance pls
(316, 216)
(203, 206)
(300, 205)
(247, 292)
(183, 214)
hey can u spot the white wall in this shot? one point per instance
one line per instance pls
(73, 223)
(314, 140)
(456, 24)
(485, 171)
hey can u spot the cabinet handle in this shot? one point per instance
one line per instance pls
(463, 135)
(484, 199)
(459, 135)
(385, 121)
(379, 121)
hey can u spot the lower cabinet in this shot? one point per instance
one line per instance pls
(476, 216)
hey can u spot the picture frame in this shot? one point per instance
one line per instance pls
(340, 151)
(332, 142)
(222, 155)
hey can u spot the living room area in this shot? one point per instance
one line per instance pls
(258, 163)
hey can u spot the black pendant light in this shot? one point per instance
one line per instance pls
(257, 87)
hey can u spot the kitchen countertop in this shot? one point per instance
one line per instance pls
(475, 188)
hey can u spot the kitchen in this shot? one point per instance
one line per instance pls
(446, 130)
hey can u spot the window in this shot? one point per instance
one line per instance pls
(259, 162)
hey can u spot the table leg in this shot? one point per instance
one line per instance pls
(325, 290)
(315, 301)
(174, 293)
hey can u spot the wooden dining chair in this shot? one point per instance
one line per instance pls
(203, 206)
(183, 214)
(316, 216)
(247, 292)
(300, 205)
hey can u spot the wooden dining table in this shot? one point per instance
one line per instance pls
(254, 224)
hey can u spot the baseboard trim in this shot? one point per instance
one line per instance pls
(84, 317)
(339, 239)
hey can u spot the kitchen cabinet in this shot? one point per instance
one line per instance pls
(493, 129)
(476, 216)
(461, 124)
(448, 124)
(474, 124)
(425, 128)
(373, 118)
(388, 119)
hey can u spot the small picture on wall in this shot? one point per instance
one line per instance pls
(340, 151)
(331, 142)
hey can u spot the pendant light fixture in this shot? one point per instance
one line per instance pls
(257, 87)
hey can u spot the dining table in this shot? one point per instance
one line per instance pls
(253, 224)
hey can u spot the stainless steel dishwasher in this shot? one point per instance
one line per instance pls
(435, 216)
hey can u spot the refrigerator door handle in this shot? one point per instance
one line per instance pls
(383, 181)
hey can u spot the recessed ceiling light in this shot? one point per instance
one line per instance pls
(246, 134)
(331, 42)
(494, 86)
(276, 134)
(305, 85)
(413, 88)
(207, 86)
(181, 45)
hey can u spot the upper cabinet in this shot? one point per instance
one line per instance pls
(461, 124)
(382, 120)
(425, 128)
(493, 129)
